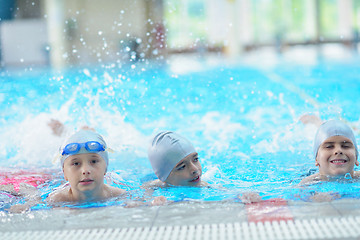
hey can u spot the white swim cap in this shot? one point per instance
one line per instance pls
(81, 137)
(165, 152)
(333, 128)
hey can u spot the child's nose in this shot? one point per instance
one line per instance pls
(85, 169)
(194, 169)
(338, 150)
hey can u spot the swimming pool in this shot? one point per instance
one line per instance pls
(242, 119)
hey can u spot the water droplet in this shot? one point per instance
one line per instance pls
(347, 176)
(86, 72)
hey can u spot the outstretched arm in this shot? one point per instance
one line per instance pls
(32, 198)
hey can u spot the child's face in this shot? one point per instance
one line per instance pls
(85, 172)
(336, 156)
(187, 172)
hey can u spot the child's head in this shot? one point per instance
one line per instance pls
(84, 141)
(175, 160)
(335, 149)
(84, 160)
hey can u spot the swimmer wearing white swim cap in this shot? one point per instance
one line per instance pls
(93, 143)
(335, 151)
(174, 161)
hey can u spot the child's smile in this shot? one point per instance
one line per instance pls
(338, 161)
(196, 179)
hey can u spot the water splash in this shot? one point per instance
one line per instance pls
(348, 176)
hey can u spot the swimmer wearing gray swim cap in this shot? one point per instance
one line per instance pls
(174, 160)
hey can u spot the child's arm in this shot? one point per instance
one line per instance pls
(21, 208)
(318, 196)
(32, 198)
(149, 190)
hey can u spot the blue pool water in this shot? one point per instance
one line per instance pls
(242, 119)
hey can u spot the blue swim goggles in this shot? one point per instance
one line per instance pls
(91, 146)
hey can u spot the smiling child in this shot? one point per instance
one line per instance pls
(335, 152)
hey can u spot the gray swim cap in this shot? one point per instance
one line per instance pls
(165, 152)
(333, 128)
(84, 136)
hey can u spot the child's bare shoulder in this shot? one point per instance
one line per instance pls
(311, 179)
(357, 174)
(59, 195)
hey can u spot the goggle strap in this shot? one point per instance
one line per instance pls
(56, 158)
(110, 150)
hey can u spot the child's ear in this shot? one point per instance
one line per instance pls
(357, 163)
(65, 177)
(317, 163)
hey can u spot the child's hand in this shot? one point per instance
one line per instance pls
(310, 119)
(250, 197)
(324, 197)
(56, 126)
(8, 188)
(85, 127)
(133, 204)
(19, 208)
(158, 201)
